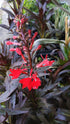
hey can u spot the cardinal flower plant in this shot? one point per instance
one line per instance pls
(36, 87)
(25, 50)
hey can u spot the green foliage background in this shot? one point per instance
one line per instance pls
(30, 4)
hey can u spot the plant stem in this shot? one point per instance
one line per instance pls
(29, 56)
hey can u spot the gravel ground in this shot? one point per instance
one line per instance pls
(4, 34)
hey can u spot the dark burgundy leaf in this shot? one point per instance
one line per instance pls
(44, 7)
(63, 72)
(57, 92)
(48, 1)
(15, 10)
(66, 64)
(2, 118)
(4, 26)
(34, 15)
(37, 1)
(10, 88)
(40, 5)
(21, 6)
(20, 96)
(61, 55)
(60, 68)
(60, 117)
(9, 12)
(15, 7)
(11, 25)
(63, 115)
(20, 105)
(50, 13)
(3, 111)
(18, 2)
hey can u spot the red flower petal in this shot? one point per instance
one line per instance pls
(9, 43)
(32, 82)
(26, 82)
(15, 73)
(12, 49)
(15, 37)
(35, 34)
(23, 20)
(29, 32)
(36, 83)
(18, 51)
(44, 63)
(18, 24)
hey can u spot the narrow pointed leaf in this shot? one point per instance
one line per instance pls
(4, 26)
(47, 41)
(9, 12)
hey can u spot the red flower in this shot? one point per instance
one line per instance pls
(18, 24)
(15, 37)
(12, 49)
(32, 82)
(15, 73)
(36, 81)
(38, 48)
(18, 51)
(23, 20)
(45, 62)
(29, 32)
(35, 34)
(25, 50)
(9, 43)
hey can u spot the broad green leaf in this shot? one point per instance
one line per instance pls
(44, 41)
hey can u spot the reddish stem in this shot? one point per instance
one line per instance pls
(29, 56)
(28, 51)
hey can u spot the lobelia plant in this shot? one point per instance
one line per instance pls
(25, 71)
(35, 92)
(32, 80)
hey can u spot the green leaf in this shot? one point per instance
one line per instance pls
(64, 50)
(44, 41)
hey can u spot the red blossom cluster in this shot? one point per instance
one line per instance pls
(44, 63)
(15, 73)
(19, 21)
(31, 80)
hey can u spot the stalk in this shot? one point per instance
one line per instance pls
(28, 51)
(29, 56)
